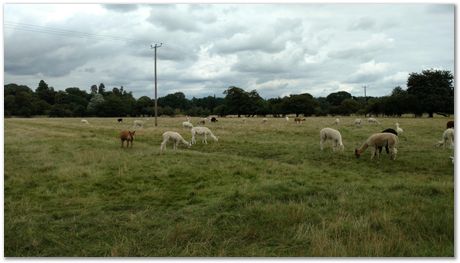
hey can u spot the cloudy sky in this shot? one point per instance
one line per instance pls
(277, 49)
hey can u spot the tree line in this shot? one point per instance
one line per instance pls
(430, 91)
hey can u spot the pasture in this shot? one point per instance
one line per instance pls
(264, 189)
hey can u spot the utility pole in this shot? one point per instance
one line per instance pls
(156, 103)
(364, 87)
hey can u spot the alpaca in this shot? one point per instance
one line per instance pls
(188, 118)
(450, 124)
(379, 139)
(357, 122)
(138, 123)
(389, 130)
(127, 136)
(187, 124)
(298, 120)
(337, 121)
(333, 135)
(213, 119)
(120, 120)
(447, 138)
(373, 120)
(264, 120)
(202, 131)
(84, 121)
(175, 137)
(399, 130)
(202, 121)
(287, 118)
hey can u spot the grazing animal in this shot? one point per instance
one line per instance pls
(447, 138)
(213, 119)
(264, 120)
(298, 120)
(244, 119)
(187, 124)
(399, 130)
(337, 121)
(379, 139)
(287, 118)
(138, 123)
(373, 120)
(330, 134)
(450, 124)
(357, 122)
(188, 118)
(202, 121)
(120, 120)
(389, 130)
(175, 137)
(127, 136)
(84, 121)
(202, 131)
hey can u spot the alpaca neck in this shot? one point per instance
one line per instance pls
(363, 148)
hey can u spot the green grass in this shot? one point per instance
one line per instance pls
(262, 190)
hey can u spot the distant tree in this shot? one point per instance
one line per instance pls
(349, 106)
(144, 106)
(93, 89)
(433, 90)
(336, 98)
(176, 100)
(101, 89)
(44, 92)
(299, 104)
(237, 101)
(94, 104)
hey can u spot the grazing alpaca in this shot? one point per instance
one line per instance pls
(213, 119)
(138, 123)
(389, 130)
(202, 121)
(84, 121)
(399, 130)
(379, 139)
(120, 120)
(337, 122)
(357, 122)
(264, 120)
(175, 137)
(127, 136)
(333, 135)
(298, 120)
(287, 118)
(373, 120)
(202, 131)
(450, 124)
(187, 124)
(447, 138)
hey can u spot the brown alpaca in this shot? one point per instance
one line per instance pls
(128, 137)
(450, 124)
(298, 120)
(379, 140)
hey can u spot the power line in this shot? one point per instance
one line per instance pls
(60, 31)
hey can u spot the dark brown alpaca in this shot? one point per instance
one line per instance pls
(450, 124)
(127, 136)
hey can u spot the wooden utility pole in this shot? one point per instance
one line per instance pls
(156, 103)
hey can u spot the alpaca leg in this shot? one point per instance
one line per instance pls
(205, 139)
(163, 146)
(373, 153)
(321, 144)
(175, 145)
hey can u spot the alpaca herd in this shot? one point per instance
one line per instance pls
(387, 138)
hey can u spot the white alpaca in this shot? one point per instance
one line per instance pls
(373, 120)
(175, 137)
(447, 138)
(202, 131)
(333, 135)
(187, 124)
(138, 123)
(357, 122)
(264, 120)
(287, 118)
(399, 130)
(377, 140)
(187, 117)
(337, 121)
(84, 121)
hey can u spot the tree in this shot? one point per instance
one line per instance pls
(94, 104)
(299, 104)
(101, 89)
(433, 90)
(237, 101)
(44, 92)
(93, 89)
(175, 101)
(336, 98)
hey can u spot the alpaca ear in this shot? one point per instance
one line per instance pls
(133, 132)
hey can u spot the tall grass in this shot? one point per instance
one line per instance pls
(262, 190)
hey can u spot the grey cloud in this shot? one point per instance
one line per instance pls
(440, 8)
(363, 23)
(122, 8)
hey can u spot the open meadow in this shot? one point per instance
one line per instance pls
(264, 189)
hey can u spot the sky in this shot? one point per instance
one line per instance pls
(276, 49)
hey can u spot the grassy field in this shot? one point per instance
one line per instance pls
(262, 190)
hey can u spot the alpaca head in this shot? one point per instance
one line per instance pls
(357, 153)
(131, 134)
